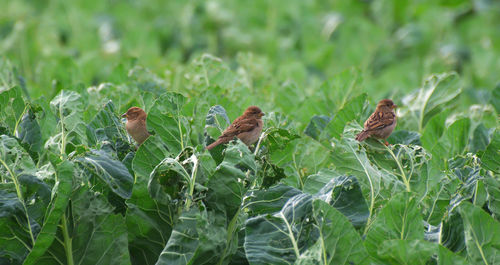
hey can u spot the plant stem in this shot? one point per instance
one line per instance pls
(292, 237)
(192, 182)
(403, 175)
(68, 244)
(63, 137)
(20, 197)
(19, 120)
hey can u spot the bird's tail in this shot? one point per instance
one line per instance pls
(214, 144)
(362, 135)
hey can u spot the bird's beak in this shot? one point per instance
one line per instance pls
(124, 115)
(262, 114)
(394, 106)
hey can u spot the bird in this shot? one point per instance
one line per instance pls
(136, 124)
(381, 123)
(246, 127)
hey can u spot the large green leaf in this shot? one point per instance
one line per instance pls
(149, 224)
(280, 238)
(316, 126)
(416, 252)
(149, 154)
(91, 234)
(399, 219)
(166, 179)
(437, 93)
(270, 200)
(226, 187)
(345, 195)
(490, 158)
(29, 132)
(454, 141)
(13, 107)
(23, 201)
(334, 233)
(299, 158)
(493, 190)
(167, 122)
(107, 130)
(350, 111)
(349, 158)
(481, 235)
(110, 171)
(216, 121)
(196, 239)
(55, 211)
(67, 106)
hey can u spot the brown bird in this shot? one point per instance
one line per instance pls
(381, 123)
(136, 124)
(246, 127)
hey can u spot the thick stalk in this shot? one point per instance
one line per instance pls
(192, 182)
(68, 243)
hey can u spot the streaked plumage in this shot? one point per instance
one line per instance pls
(247, 128)
(381, 123)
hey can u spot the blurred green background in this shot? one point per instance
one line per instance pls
(390, 46)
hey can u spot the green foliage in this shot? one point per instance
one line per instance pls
(75, 188)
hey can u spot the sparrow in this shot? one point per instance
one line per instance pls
(381, 123)
(136, 124)
(246, 127)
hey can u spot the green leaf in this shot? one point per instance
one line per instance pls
(107, 241)
(218, 120)
(454, 141)
(195, 239)
(480, 139)
(399, 219)
(24, 198)
(347, 198)
(495, 98)
(107, 130)
(405, 137)
(334, 229)
(352, 159)
(281, 237)
(29, 132)
(416, 252)
(165, 181)
(316, 126)
(399, 251)
(149, 224)
(481, 235)
(68, 108)
(167, 122)
(350, 111)
(55, 211)
(437, 93)
(270, 200)
(110, 171)
(226, 187)
(299, 158)
(493, 190)
(149, 154)
(12, 107)
(490, 158)
(434, 130)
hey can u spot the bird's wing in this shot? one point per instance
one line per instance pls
(240, 125)
(379, 120)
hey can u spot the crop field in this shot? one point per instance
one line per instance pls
(77, 189)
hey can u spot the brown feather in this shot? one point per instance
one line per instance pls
(247, 128)
(136, 124)
(381, 123)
